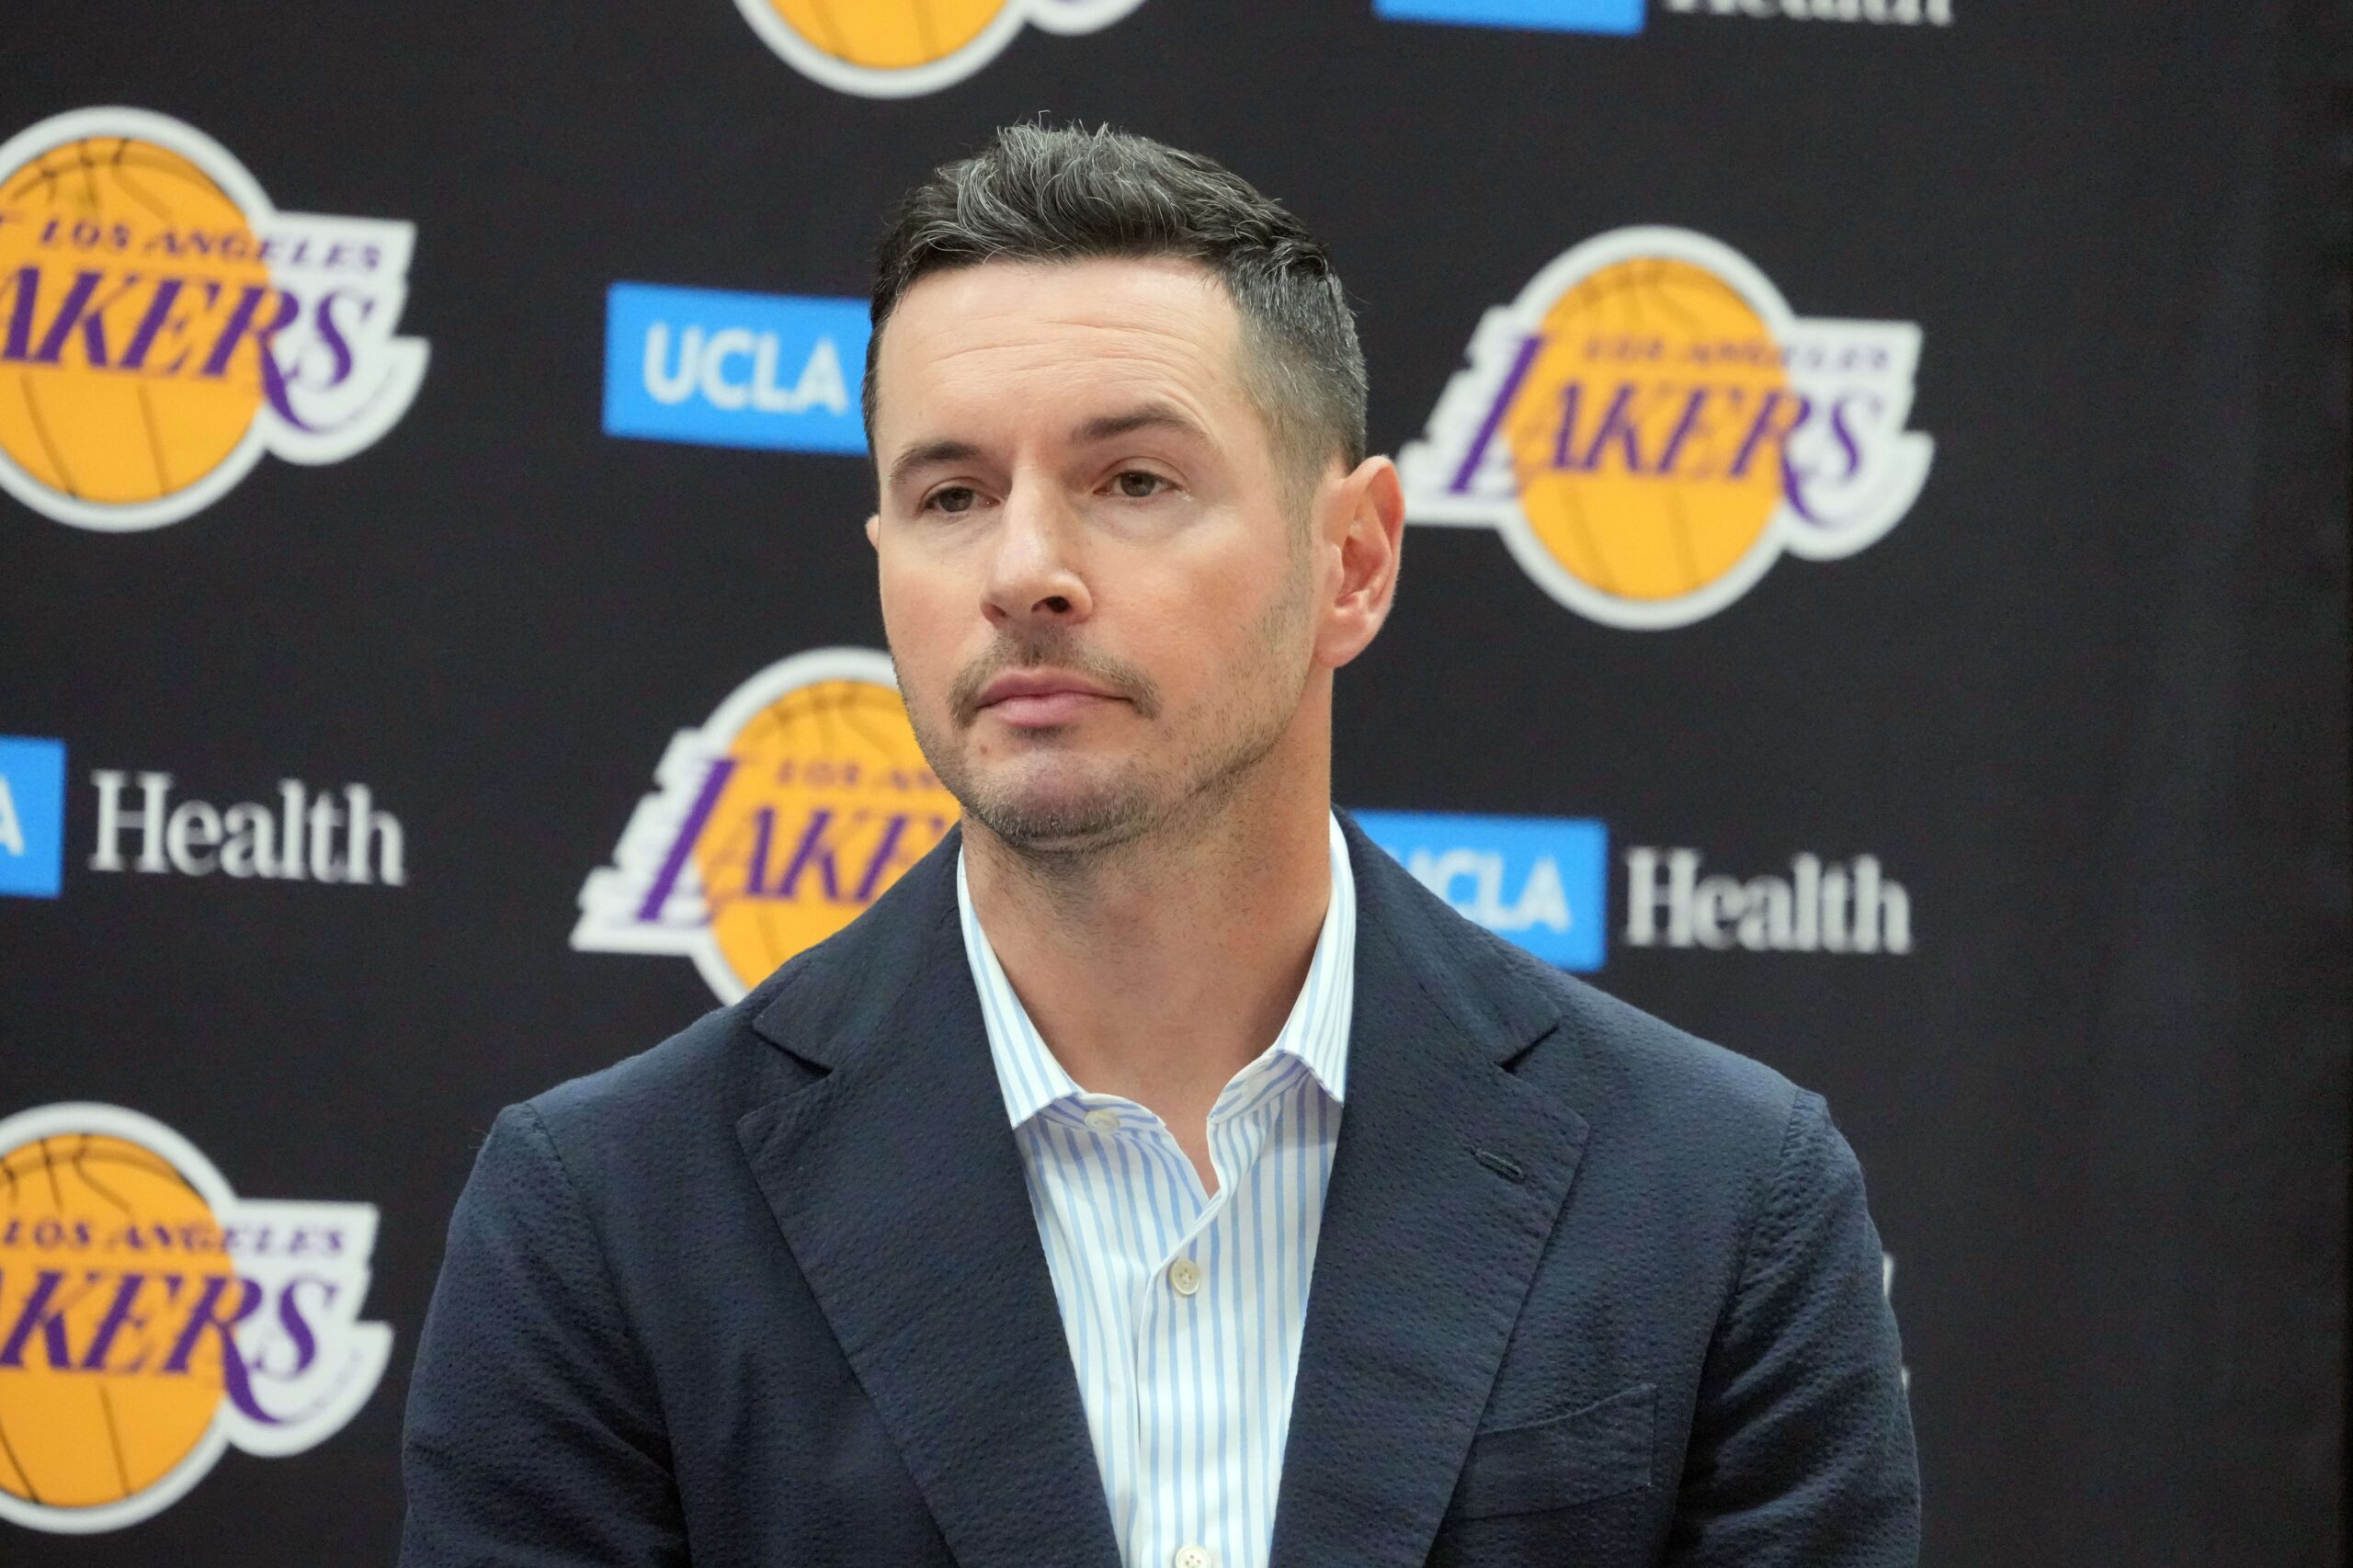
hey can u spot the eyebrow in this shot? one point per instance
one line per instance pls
(929, 453)
(1109, 427)
(1151, 416)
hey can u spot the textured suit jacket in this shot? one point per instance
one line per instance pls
(1588, 1292)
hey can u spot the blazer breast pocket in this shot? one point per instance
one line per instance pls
(1599, 1451)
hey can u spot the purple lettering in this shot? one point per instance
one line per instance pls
(241, 326)
(45, 1315)
(26, 280)
(331, 333)
(873, 880)
(812, 850)
(1564, 443)
(1764, 432)
(298, 1328)
(756, 868)
(1794, 483)
(118, 1315)
(1616, 424)
(1495, 416)
(673, 863)
(1844, 434)
(142, 337)
(75, 309)
(207, 1314)
(1692, 425)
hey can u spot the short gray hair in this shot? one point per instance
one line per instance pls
(1040, 193)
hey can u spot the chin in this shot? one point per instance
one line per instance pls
(1060, 814)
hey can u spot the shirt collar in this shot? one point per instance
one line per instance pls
(1316, 1034)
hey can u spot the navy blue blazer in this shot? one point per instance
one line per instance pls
(1588, 1291)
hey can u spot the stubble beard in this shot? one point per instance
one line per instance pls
(1061, 836)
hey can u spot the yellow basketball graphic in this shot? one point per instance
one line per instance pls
(1635, 436)
(104, 1248)
(134, 300)
(894, 48)
(825, 802)
(888, 35)
(1649, 427)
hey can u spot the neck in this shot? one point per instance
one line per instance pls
(1157, 969)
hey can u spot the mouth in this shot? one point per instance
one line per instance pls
(1036, 700)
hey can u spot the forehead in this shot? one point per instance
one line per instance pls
(1027, 337)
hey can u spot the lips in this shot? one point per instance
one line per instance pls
(1041, 699)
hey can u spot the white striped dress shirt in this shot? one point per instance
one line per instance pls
(1184, 1310)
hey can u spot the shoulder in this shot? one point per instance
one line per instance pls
(681, 1073)
(665, 1112)
(685, 1095)
(1635, 1064)
(1676, 1112)
(1598, 1053)
(1688, 1112)
(1684, 1138)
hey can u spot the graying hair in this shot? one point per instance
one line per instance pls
(1049, 193)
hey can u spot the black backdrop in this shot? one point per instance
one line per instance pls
(2085, 700)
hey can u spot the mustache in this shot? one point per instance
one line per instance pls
(1052, 647)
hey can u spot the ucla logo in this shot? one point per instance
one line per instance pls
(774, 825)
(717, 368)
(162, 326)
(32, 816)
(896, 48)
(1555, 16)
(1649, 427)
(150, 1318)
(1540, 881)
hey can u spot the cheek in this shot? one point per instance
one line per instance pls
(932, 616)
(1250, 596)
(1210, 636)
(916, 612)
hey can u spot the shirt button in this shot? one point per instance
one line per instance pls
(1103, 1120)
(1195, 1557)
(1186, 1275)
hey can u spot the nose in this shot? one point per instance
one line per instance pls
(1033, 577)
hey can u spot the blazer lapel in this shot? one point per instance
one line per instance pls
(897, 1185)
(1448, 1180)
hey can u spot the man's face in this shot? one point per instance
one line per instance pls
(1097, 589)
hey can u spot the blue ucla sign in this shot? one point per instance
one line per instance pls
(32, 816)
(1553, 16)
(712, 366)
(1540, 882)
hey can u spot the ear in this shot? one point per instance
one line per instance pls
(1364, 516)
(874, 530)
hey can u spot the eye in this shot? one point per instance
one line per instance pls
(951, 498)
(1139, 484)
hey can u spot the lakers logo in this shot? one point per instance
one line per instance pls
(776, 823)
(1650, 426)
(150, 1318)
(162, 326)
(892, 48)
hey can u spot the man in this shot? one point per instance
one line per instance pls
(1156, 1175)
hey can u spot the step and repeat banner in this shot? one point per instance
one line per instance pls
(1875, 596)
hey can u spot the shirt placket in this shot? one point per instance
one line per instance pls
(1184, 1411)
